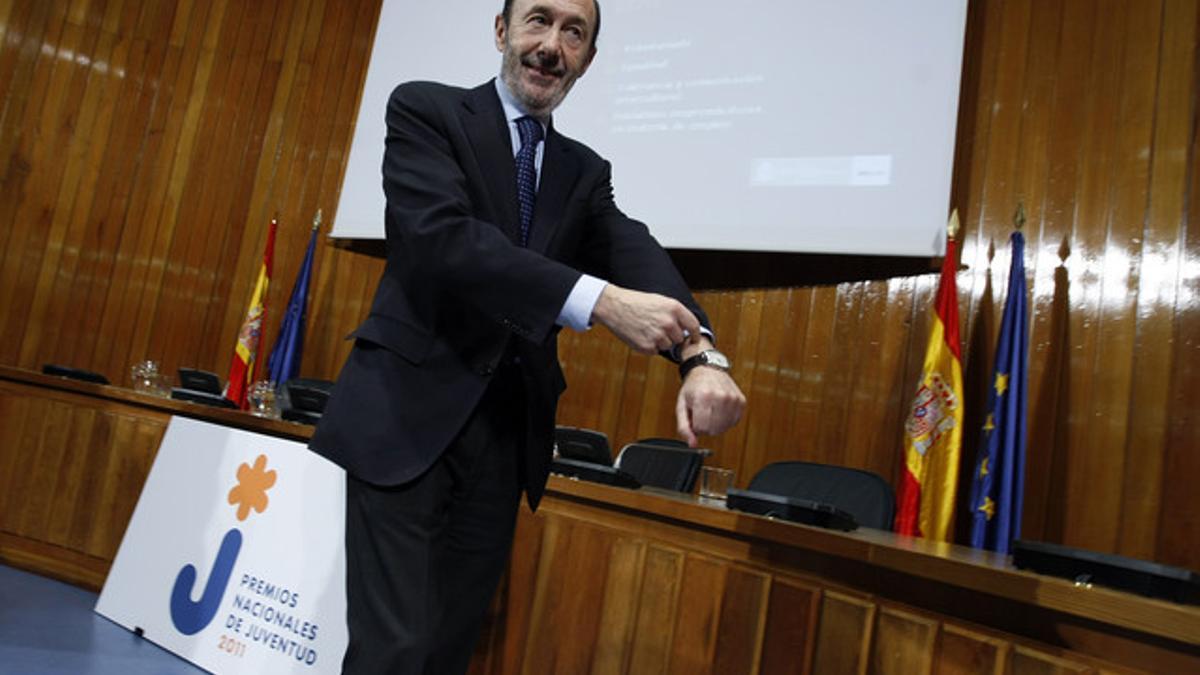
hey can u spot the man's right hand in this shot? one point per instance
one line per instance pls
(647, 322)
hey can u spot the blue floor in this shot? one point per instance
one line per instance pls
(48, 627)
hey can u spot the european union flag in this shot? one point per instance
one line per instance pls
(284, 363)
(998, 485)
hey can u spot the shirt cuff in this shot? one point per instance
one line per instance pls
(577, 310)
(676, 352)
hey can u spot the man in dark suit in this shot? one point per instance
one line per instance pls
(444, 410)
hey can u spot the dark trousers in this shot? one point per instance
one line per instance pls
(423, 559)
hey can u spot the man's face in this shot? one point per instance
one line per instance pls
(547, 45)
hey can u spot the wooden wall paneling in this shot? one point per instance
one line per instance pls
(99, 541)
(743, 621)
(506, 628)
(181, 309)
(862, 397)
(105, 340)
(899, 354)
(27, 494)
(985, 247)
(253, 230)
(552, 537)
(995, 153)
(351, 57)
(788, 642)
(1090, 468)
(613, 362)
(697, 616)
(633, 392)
(1125, 249)
(782, 444)
(121, 484)
(882, 392)
(94, 457)
(45, 459)
(742, 321)
(280, 116)
(961, 651)
(305, 149)
(572, 635)
(1157, 295)
(239, 114)
(904, 643)
(358, 51)
(173, 302)
(593, 380)
(42, 134)
(101, 224)
(18, 55)
(12, 474)
(160, 186)
(1042, 261)
(844, 634)
(566, 608)
(18, 435)
(817, 329)
(653, 634)
(763, 384)
(294, 202)
(618, 613)
(838, 378)
(129, 310)
(68, 485)
(82, 149)
(1046, 513)
(11, 16)
(1108, 433)
(1026, 661)
(1179, 518)
(137, 182)
(353, 298)
(657, 411)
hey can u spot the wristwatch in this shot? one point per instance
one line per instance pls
(709, 357)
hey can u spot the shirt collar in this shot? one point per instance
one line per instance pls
(512, 107)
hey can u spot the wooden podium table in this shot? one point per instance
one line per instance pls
(607, 580)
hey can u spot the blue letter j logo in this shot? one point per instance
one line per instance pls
(191, 617)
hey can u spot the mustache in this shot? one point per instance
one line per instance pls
(547, 62)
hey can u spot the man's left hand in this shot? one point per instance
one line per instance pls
(709, 403)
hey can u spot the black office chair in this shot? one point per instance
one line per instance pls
(862, 494)
(662, 466)
(303, 400)
(583, 445)
(669, 442)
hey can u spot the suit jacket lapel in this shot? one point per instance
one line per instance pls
(560, 170)
(484, 121)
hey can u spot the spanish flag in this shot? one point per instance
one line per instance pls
(242, 370)
(933, 431)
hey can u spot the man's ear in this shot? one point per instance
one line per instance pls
(501, 30)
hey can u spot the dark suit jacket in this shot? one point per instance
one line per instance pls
(457, 294)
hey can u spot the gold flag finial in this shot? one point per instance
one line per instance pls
(1019, 216)
(953, 227)
(317, 220)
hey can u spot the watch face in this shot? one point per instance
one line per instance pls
(715, 358)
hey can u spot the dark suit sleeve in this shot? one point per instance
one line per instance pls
(622, 250)
(431, 215)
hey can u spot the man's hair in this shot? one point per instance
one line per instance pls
(507, 14)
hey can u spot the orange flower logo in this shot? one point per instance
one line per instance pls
(251, 490)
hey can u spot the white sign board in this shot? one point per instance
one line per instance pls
(234, 558)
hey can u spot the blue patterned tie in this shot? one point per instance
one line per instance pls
(531, 133)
